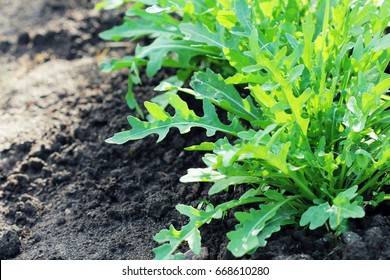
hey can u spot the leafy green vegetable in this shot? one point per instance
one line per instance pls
(307, 104)
(340, 210)
(184, 119)
(171, 44)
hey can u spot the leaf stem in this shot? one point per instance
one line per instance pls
(370, 183)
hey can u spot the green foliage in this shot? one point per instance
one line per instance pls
(184, 119)
(190, 232)
(310, 132)
(341, 209)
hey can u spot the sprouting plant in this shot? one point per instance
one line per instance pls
(310, 132)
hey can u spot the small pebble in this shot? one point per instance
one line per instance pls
(350, 236)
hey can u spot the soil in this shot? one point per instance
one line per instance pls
(66, 194)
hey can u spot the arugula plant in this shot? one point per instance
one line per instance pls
(168, 47)
(310, 134)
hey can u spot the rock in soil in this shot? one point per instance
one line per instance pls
(9, 245)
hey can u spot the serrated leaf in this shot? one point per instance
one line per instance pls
(278, 161)
(162, 46)
(272, 226)
(211, 86)
(184, 119)
(134, 28)
(238, 60)
(274, 195)
(293, 58)
(243, 14)
(200, 33)
(245, 238)
(190, 232)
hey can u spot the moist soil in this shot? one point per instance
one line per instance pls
(66, 194)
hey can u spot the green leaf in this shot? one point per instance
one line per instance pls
(162, 46)
(243, 14)
(130, 100)
(251, 68)
(134, 28)
(383, 158)
(189, 232)
(293, 58)
(358, 50)
(238, 60)
(341, 209)
(381, 87)
(201, 175)
(125, 62)
(200, 33)
(308, 31)
(274, 195)
(224, 183)
(383, 43)
(344, 211)
(184, 120)
(272, 226)
(211, 86)
(295, 73)
(204, 146)
(227, 19)
(316, 216)
(271, 160)
(292, 41)
(245, 238)
(302, 94)
(138, 11)
(348, 194)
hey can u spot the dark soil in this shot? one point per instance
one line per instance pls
(66, 194)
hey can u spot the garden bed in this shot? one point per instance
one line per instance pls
(66, 194)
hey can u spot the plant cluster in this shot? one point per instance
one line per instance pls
(305, 92)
